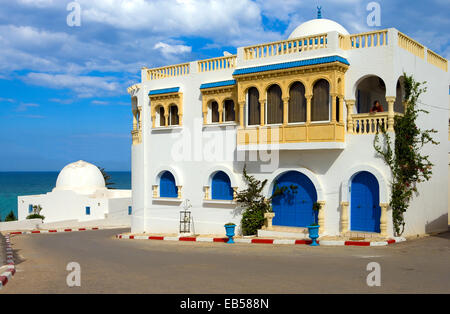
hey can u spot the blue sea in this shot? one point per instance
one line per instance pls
(13, 184)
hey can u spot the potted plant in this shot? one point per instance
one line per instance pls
(314, 227)
(229, 228)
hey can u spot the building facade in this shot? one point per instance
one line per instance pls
(297, 113)
(80, 194)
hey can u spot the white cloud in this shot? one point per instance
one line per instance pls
(167, 49)
(85, 86)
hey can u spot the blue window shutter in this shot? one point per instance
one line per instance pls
(167, 186)
(130, 210)
(30, 209)
(88, 210)
(221, 187)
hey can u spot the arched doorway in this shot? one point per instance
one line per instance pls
(294, 207)
(365, 203)
(370, 89)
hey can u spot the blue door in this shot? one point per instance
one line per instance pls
(365, 203)
(294, 207)
(221, 187)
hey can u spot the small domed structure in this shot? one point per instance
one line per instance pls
(81, 177)
(318, 26)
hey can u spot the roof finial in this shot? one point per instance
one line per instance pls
(319, 12)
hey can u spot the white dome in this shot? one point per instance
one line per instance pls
(81, 177)
(318, 26)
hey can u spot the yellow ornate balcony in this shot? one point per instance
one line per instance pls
(292, 134)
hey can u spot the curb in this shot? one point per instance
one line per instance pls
(52, 231)
(263, 241)
(11, 270)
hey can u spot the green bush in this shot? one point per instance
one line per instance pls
(11, 217)
(35, 216)
(252, 221)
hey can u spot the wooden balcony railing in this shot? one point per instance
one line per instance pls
(285, 47)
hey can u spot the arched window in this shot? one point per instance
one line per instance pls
(229, 111)
(297, 103)
(214, 112)
(274, 105)
(221, 187)
(254, 107)
(167, 186)
(160, 119)
(369, 90)
(320, 104)
(174, 119)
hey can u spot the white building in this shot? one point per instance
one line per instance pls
(80, 194)
(295, 112)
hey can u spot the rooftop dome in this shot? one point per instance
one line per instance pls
(81, 177)
(318, 26)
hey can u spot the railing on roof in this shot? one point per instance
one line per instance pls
(217, 64)
(364, 40)
(411, 45)
(285, 47)
(168, 71)
(437, 60)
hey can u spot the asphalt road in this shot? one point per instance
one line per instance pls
(134, 266)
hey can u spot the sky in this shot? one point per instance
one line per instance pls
(63, 89)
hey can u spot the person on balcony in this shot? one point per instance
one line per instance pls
(377, 107)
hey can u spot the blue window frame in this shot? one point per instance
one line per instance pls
(88, 210)
(130, 210)
(221, 187)
(30, 208)
(167, 186)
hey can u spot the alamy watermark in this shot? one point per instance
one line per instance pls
(374, 17)
(74, 17)
(73, 279)
(374, 277)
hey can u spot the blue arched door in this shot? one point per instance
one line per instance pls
(294, 207)
(221, 187)
(365, 203)
(167, 186)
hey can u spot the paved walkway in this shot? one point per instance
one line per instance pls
(112, 266)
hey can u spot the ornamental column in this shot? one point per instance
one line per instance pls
(285, 110)
(383, 220)
(140, 118)
(333, 108)
(341, 109)
(135, 122)
(391, 114)
(344, 217)
(263, 112)
(166, 118)
(321, 216)
(179, 187)
(241, 113)
(350, 105)
(308, 108)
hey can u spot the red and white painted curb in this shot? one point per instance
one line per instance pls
(263, 241)
(52, 231)
(11, 270)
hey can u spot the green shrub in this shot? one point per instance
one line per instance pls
(11, 217)
(35, 216)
